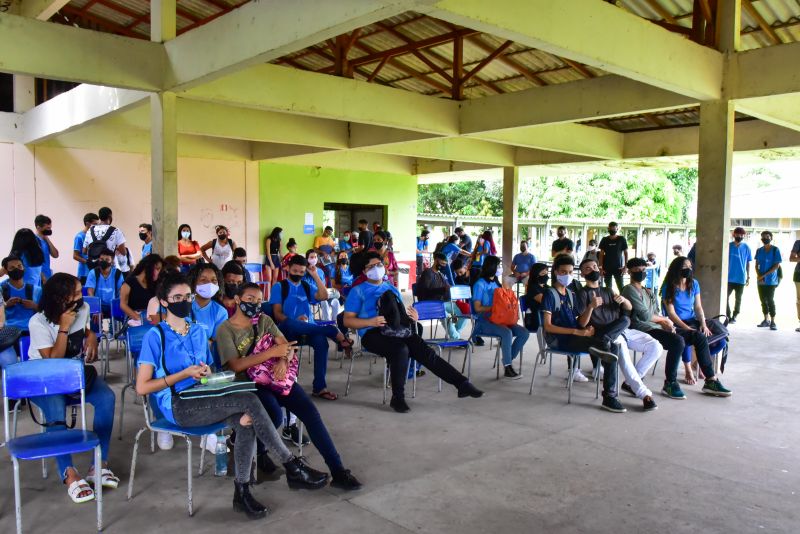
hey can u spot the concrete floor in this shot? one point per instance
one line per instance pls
(508, 462)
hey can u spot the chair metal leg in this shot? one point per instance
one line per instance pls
(497, 360)
(654, 368)
(122, 408)
(385, 380)
(14, 424)
(134, 457)
(533, 377)
(300, 434)
(349, 375)
(98, 487)
(414, 379)
(571, 363)
(189, 473)
(17, 499)
(202, 455)
(152, 442)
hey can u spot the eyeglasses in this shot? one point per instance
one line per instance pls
(188, 297)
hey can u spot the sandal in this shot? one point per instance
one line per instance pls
(76, 488)
(107, 478)
(325, 394)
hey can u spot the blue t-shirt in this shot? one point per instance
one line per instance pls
(765, 260)
(297, 303)
(738, 258)
(147, 249)
(486, 251)
(107, 288)
(524, 262)
(651, 276)
(422, 244)
(565, 317)
(33, 275)
(483, 291)
(684, 301)
(48, 272)
(181, 352)
(363, 301)
(209, 317)
(346, 276)
(345, 246)
(77, 246)
(451, 250)
(18, 315)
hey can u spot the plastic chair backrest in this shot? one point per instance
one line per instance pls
(116, 310)
(94, 303)
(430, 310)
(135, 336)
(85, 291)
(24, 348)
(460, 293)
(414, 289)
(35, 378)
(253, 269)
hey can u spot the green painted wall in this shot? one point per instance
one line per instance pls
(287, 192)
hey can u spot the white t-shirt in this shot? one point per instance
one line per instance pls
(44, 333)
(220, 255)
(116, 239)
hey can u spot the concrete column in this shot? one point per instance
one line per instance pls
(24, 90)
(162, 20)
(584, 239)
(713, 202)
(639, 245)
(546, 241)
(510, 213)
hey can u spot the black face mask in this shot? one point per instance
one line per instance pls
(738, 238)
(378, 245)
(143, 236)
(343, 262)
(543, 279)
(766, 241)
(593, 276)
(180, 309)
(47, 232)
(295, 277)
(250, 309)
(638, 276)
(222, 237)
(686, 273)
(16, 274)
(612, 232)
(231, 290)
(75, 304)
(104, 265)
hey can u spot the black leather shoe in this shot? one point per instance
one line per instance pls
(467, 389)
(345, 480)
(399, 405)
(243, 501)
(301, 476)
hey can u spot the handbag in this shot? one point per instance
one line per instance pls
(264, 373)
(398, 323)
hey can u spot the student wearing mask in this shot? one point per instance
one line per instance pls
(591, 251)
(422, 250)
(613, 256)
(232, 279)
(25, 246)
(346, 243)
(768, 263)
(483, 249)
(379, 245)
(435, 285)
(139, 287)
(240, 257)
(512, 338)
(78, 254)
(342, 278)
(221, 247)
(105, 282)
(272, 258)
(739, 258)
(522, 263)
(324, 245)
(21, 297)
(464, 240)
(364, 237)
(188, 249)
(652, 273)
(562, 245)
(115, 241)
(44, 229)
(535, 292)
(794, 257)
(205, 281)
(146, 236)
(330, 306)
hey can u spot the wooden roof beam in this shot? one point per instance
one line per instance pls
(753, 12)
(488, 59)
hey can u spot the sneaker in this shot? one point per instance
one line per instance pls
(733, 320)
(604, 355)
(673, 391)
(165, 441)
(578, 376)
(511, 374)
(291, 433)
(763, 324)
(479, 342)
(627, 389)
(715, 388)
(772, 325)
(612, 404)
(649, 404)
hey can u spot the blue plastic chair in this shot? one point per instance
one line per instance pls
(155, 422)
(35, 378)
(434, 310)
(133, 346)
(96, 323)
(255, 269)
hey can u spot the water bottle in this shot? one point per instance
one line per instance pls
(221, 457)
(218, 378)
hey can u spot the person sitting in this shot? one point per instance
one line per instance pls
(61, 330)
(221, 248)
(479, 253)
(105, 281)
(232, 279)
(379, 245)
(139, 287)
(236, 339)
(512, 337)
(562, 245)
(561, 322)
(8, 354)
(21, 298)
(342, 277)
(607, 318)
(361, 312)
(240, 257)
(681, 299)
(188, 249)
(324, 245)
(521, 264)
(291, 306)
(535, 292)
(170, 264)
(185, 359)
(205, 281)
(433, 285)
(646, 317)
(346, 243)
(330, 306)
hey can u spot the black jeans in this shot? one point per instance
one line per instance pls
(617, 276)
(767, 296)
(699, 341)
(582, 344)
(397, 351)
(737, 289)
(674, 345)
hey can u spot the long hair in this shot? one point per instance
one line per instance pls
(673, 279)
(339, 267)
(275, 233)
(180, 229)
(533, 275)
(56, 294)
(169, 281)
(487, 235)
(147, 266)
(489, 269)
(26, 245)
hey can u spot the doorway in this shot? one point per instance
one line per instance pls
(344, 217)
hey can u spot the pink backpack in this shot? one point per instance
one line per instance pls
(263, 373)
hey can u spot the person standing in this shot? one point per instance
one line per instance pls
(146, 235)
(795, 258)
(89, 220)
(768, 263)
(464, 240)
(652, 273)
(44, 229)
(364, 237)
(613, 256)
(739, 258)
(562, 245)
(221, 248)
(422, 250)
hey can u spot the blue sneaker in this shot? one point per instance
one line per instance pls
(673, 391)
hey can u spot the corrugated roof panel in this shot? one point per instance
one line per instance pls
(199, 8)
(111, 15)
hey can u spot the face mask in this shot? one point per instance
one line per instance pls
(180, 309)
(231, 290)
(75, 304)
(186, 235)
(638, 276)
(295, 277)
(16, 274)
(143, 236)
(222, 237)
(250, 309)
(612, 232)
(499, 273)
(686, 273)
(592, 247)
(738, 238)
(376, 273)
(766, 241)
(347, 238)
(441, 266)
(312, 261)
(378, 245)
(593, 276)
(104, 265)
(542, 279)
(207, 290)
(343, 262)
(564, 279)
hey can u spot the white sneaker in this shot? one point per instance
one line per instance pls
(165, 441)
(578, 376)
(211, 443)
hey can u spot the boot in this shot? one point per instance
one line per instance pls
(267, 470)
(301, 476)
(243, 501)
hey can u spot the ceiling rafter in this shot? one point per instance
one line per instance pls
(405, 68)
(112, 27)
(753, 12)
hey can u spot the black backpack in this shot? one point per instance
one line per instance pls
(398, 323)
(7, 291)
(97, 246)
(285, 290)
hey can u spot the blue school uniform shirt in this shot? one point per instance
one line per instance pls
(765, 260)
(19, 316)
(484, 292)
(107, 288)
(77, 246)
(48, 272)
(737, 262)
(684, 301)
(209, 317)
(33, 274)
(346, 276)
(451, 250)
(524, 262)
(422, 244)
(180, 353)
(651, 276)
(363, 301)
(297, 302)
(565, 317)
(487, 250)
(147, 249)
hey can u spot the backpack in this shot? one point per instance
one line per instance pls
(97, 246)
(398, 323)
(505, 307)
(117, 276)
(570, 296)
(7, 291)
(285, 290)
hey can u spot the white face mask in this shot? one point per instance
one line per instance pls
(564, 279)
(207, 290)
(376, 273)
(313, 261)
(186, 235)
(499, 273)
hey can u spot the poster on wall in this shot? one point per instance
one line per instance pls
(308, 225)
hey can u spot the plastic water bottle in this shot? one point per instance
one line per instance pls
(217, 378)
(221, 457)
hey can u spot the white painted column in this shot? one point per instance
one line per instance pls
(510, 213)
(24, 90)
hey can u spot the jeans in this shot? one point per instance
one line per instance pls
(737, 289)
(318, 339)
(674, 345)
(7, 357)
(101, 398)
(299, 403)
(510, 349)
(454, 328)
(582, 344)
(230, 408)
(767, 296)
(617, 276)
(397, 351)
(699, 341)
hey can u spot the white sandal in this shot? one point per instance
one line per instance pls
(107, 479)
(76, 488)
